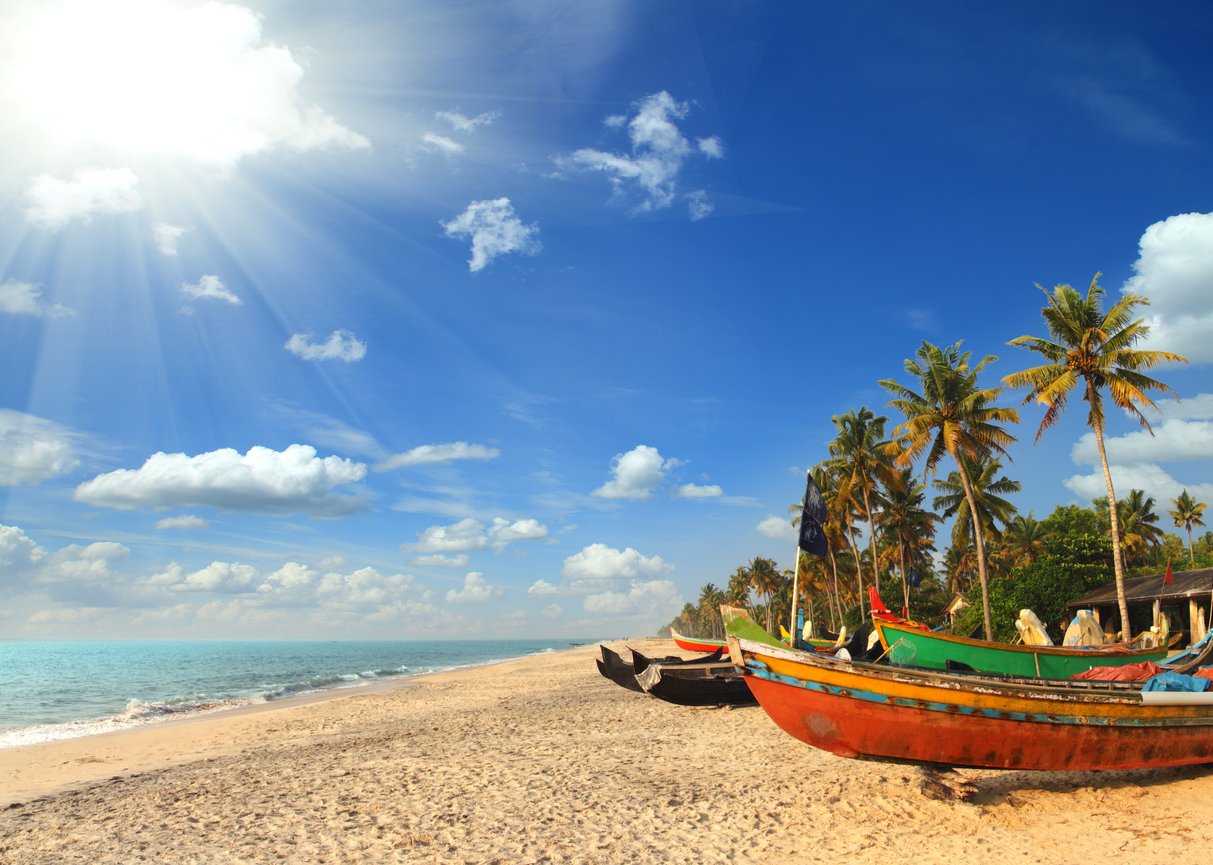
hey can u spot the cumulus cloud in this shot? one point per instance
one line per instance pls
(226, 578)
(635, 474)
(1184, 435)
(698, 205)
(463, 536)
(166, 236)
(341, 345)
(156, 77)
(25, 298)
(777, 528)
(470, 534)
(476, 590)
(656, 599)
(294, 480)
(182, 522)
(599, 563)
(210, 287)
(439, 453)
(463, 123)
(696, 491)
(1174, 269)
(495, 230)
(648, 174)
(20, 556)
(53, 203)
(33, 449)
(542, 588)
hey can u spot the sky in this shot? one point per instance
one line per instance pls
(450, 320)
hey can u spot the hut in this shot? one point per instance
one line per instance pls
(1186, 602)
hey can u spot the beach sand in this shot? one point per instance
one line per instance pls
(543, 760)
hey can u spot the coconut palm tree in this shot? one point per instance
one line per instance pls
(1188, 513)
(950, 414)
(859, 453)
(906, 524)
(1023, 539)
(1137, 525)
(710, 599)
(988, 490)
(1095, 347)
(767, 581)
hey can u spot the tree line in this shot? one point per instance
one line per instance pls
(874, 484)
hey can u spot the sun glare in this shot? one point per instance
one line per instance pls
(153, 77)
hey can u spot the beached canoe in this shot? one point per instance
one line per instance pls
(914, 647)
(623, 673)
(697, 644)
(879, 712)
(717, 683)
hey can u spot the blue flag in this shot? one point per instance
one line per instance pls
(812, 515)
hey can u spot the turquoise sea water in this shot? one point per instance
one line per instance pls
(63, 689)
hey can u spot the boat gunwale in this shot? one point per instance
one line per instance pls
(1116, 651)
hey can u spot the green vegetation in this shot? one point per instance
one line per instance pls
(1001, 561)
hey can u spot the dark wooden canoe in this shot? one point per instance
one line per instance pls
(619, 671)
(716, 683)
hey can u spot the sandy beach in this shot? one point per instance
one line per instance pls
(542, 760)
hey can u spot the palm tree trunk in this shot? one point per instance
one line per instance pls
(1191, 555)
(858, 571)
(867, 506)
(1115, 523)
(905, 575)
(981, 551)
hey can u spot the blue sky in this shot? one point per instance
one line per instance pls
(433, 319)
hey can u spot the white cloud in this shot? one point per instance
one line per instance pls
(165, 236)
(696, 491)
(437, 560)
(442, 144)
(461, 537)
(182, 522)
(636, 474)
(157, 77)
(470, 534)
(226, 578)
(294, 480)
(698, 205)
(552, 611)
(341, 345)
(1154, 480)
(20, 556)
(1173, 440)
(291, 578)
(1174, 270)
(542, 588)
(464, 123)
(495, 230)
(659, 150)
(777, 528)
(53, 203)
(657, 599)
(25, 298)
(1199, 407)
(440, 453)
(33, 449)
(476, 590)
(210, 287)
(598, 562)
(503, 532)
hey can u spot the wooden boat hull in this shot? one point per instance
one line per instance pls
(869, 712)
(695, 644)
(619, 671)
(915, 647)
(713, 684)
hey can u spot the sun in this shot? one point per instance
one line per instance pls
(137, 77)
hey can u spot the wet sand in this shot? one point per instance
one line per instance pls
(542, 760)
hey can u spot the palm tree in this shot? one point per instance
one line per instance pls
(710, 599)
(1024, 539)
(1137, 524)
(1097, 347)
(951, 415)
(859, 454)
(910, 528)
(988, 489)
(766, 580)
(1188, 513)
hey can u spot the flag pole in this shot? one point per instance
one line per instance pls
(795, 598)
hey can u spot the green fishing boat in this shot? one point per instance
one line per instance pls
(912, 647)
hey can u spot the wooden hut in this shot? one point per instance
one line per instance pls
(1186, 601)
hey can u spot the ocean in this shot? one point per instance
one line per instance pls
(61, 689)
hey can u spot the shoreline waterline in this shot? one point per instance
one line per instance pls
(194, 680)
